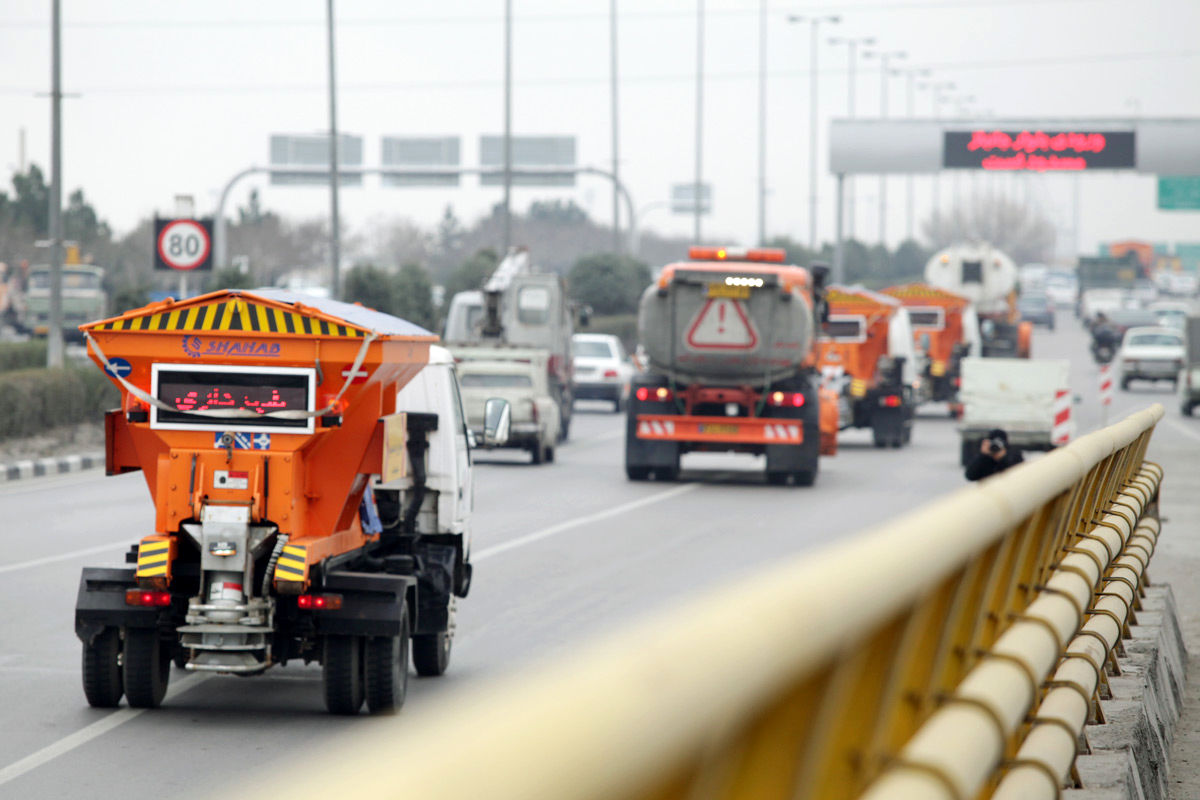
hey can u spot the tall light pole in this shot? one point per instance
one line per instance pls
(335, 255)
(814, 23)
(935, 92)
(762, 122)
(54, 337)
(911, 75)
(852, 47)
(612, 26)
(697, 209)
(885, 61)
(507, 126)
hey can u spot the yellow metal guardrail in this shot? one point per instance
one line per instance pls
(955, 652)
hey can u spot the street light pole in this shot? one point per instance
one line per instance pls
(911, 74)
(54, 337)
(762, 122)
(936, 90)
(848, 181)
(697, 208)
(616, 211)
(335, 256)
(814, 23)
(507, 125)
(885, 68)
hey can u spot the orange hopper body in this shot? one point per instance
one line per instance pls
(308, 475)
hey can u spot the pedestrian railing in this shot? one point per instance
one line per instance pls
(955, 651)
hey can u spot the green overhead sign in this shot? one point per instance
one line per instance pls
(1179, 194)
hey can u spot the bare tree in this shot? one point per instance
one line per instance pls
(1020, 230)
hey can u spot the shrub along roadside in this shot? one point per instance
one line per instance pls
(35, 400)
(623, 326)
(22, 355)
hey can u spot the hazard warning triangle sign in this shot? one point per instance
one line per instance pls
(722, 324)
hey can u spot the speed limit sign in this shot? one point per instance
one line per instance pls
(183, 245)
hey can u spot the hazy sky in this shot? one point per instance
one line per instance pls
(176, 97)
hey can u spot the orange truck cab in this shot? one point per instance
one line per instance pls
(866, 356)
(946, 329)
(260, 421)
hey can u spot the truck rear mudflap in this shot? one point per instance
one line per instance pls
(719, 430)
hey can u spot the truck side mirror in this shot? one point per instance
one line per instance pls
(497, 418)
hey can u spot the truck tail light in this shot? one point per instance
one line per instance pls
(147, 597)
(788, 399)
(610, 373)
(319, 602)
(890, 401)
(659, 394)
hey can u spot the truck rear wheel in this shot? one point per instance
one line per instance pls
(147, 668)
(386, 670)
(342, 674)
(637, 473)
(102, 683)
(431, 653)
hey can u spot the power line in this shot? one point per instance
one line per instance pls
(491, 83)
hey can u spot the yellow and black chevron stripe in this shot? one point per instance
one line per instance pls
(154, 557)
(292, 564)
(232, 315)
(920, 291)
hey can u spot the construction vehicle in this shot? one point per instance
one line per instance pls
(988, 279)
(518, 308)
(946, 329)
(868, 357)
(260, 420)
(83, 296)
(730, 341)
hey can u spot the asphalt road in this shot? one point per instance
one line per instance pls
(562, 551)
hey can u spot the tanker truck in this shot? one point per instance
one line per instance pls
(988, 279)
(729, 338)
(306, 509)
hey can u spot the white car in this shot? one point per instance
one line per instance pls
(1151, 354)
(1171, 313)
(1062, 288)
(602, 369)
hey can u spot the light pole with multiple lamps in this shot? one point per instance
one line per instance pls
(814, 21)
(935, 91)
(885, 63)
(852, 44)
(911, 74)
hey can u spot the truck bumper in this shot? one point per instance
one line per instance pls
(719, 430)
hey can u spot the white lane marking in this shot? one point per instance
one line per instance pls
(85, 735)
(87, 551)
(1184, 429)
(571, 524)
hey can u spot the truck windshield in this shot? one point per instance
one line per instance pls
(481, 380)
(70, 280)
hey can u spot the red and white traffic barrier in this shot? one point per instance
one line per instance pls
(1060, 434)
(1106, 385)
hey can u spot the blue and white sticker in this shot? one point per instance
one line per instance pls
(262, 441)
(119, 367)
(241, 440)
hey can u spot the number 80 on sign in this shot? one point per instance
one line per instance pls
(183, 244)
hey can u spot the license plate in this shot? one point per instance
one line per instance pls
(723, 290)
(719, 428)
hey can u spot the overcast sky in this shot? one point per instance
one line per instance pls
(177, 97)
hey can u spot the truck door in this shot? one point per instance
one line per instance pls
(465, 497)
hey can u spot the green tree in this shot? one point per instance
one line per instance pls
(371, 286)
(472, 273)
(609, 283)
(230, 278)
(564, 212)
(908, 263)
(413, 289)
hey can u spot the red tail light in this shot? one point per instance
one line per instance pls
(319, 602)
(642, 393)
(890, 401)
(610, 373)
(143, 597)
(958, 383)
(659, 394)
(534, 409)
(792, 399)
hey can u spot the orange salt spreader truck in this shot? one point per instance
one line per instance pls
(945, 328)
(260, 420)
(729, 337)
(867, 356)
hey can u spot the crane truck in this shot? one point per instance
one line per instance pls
(307, 510)
(730, 338)
(988, 279)
(519, 310)
(868, 357)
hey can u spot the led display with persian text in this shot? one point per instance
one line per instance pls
(191, 390)
(1038, 150)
